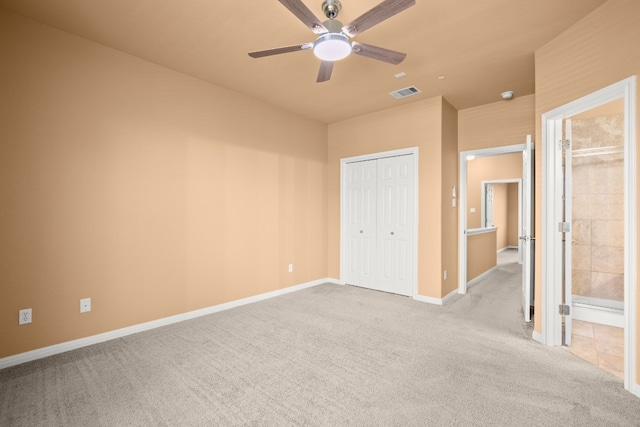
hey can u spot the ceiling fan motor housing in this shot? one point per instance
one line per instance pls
(333, 25)
(331, 8)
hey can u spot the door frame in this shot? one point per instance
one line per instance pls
(343, 220)
(551, 331)
(465, 157)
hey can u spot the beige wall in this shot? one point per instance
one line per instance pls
(449, 213)
(482, 254)
(417, 124)
(500, 214)
(150, 192)
(599, 50)
(497, 124)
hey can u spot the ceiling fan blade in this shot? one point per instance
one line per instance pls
(303, 13)
(279, 50)
(379, 13)
(326, 67)
(379, 53)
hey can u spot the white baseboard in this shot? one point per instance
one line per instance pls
(537, 336)
(481, 277)
(450, 296)
(40, 353)
(429, 300)
(436, 301)
(635, 389)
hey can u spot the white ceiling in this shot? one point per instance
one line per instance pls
(483, 47)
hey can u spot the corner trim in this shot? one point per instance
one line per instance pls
(331, 280)
(43, 352)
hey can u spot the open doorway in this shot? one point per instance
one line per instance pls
(472, 214)
(501, 207)
(589, 226)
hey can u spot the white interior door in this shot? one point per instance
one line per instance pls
(380, 224)
(527, 226)
(395, 224)
(361, 200)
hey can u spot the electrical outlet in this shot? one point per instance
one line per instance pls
(290, 268)
(445, 275)
(24, 316)
(85, 305)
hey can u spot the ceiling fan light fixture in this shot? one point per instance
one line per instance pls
(332, 47)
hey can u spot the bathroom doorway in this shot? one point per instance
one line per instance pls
(588, 227)
(594, 256)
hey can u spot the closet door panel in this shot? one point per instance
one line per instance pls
(361, 228)
(395, 229)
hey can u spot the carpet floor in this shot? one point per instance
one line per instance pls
(329, 355)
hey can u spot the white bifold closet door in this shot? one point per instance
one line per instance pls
(380, 224)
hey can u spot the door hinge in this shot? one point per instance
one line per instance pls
(564, 144)
(564, 310)
(564, 227)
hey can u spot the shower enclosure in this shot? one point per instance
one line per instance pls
(595, 173)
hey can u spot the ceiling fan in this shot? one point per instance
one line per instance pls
(333, 42)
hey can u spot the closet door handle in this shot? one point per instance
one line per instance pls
(392, 233)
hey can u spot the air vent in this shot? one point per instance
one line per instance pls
(403, 93)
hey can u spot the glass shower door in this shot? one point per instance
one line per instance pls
(596, 167)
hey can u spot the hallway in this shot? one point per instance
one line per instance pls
(496, 300)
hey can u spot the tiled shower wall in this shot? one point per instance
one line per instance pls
(598, 208)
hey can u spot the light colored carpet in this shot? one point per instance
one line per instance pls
(328, 356)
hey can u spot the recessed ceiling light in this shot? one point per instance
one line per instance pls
(401, 74)
(442, 77)
(507, 95)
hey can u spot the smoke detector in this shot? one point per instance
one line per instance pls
(507, 95)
